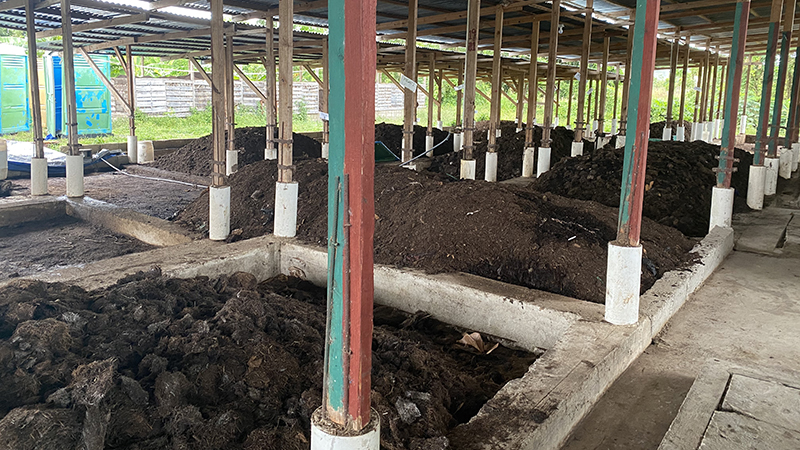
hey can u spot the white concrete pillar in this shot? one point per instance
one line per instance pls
(528, 158)
(785, 156)
(457, 140)
(613, 126)
(771, 180)
(439, 124)
(714, 129)
(555, 122)
(666, 135)
(498, 132)
(39, 176)
(680, 133)
(231, 162)
(708, 130)
(743, 124)
(620, 141)
(286, 209)
(219, 213)
(325, 151)
(146, 152)
(429, 146)
(795, 156)
(577, 149)
(133, 149)
(490, 173)
(721, 208)
(75, 176)
(543, 164)
(467, 169)
(326, 437)
(272, 153)
(3, 159)
(623, 281)
(755, 187)
(518, 129)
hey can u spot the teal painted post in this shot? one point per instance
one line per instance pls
(791, 121)
(725, 169)
(766, 86)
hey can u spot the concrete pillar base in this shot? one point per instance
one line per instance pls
(498, 133)
(543, 164)
(528, 158)
(742, 124)
(133, 149)
(490, 174)
(613, 126)
(39, 176)
(439, 124)
(785, 156)
(272, 153)
(75, 176)
(623, 281)
(795, 156)
(325, 436)
(286, 209)
(755, 187)
(620, 141)
(577, 149)
(666, 135)
(457, 139)
(555, 122)
(468, 169)
(771, 179)
(429, 146)
(518, 130)
(714, 129)
(146, 152)
(680, 133)
(219, 212)
(721, 208)
(231, 162)
(325, 151)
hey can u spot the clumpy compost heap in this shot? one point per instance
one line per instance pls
(153, 363)
(423, 220)
(195, 158)
(392, 137)
(678, 181)
(657, 129)
(510, 150)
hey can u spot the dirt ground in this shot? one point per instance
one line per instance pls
(426, 221)
(392, 136)
(63, 242)
(154, 198)
(198, 364)
(679, 179)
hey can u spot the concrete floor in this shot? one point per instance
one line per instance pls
(747, 313)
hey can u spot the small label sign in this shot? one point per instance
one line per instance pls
(459, 87)
(324, 116)
(408, 83)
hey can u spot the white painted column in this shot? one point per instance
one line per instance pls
(795, 156)
(39, 176)
(721, 208)
(620, 141)
(755, 187)
(133, 150)
(623, 281)
(528, 158)
(468, 169)
(429, 146)
(743, 124)
(490, 173)
(231, 162)
(75, 176)
(439, 124)
(771, 180)
(543, 164)
(680, 133)
(577, 149)
(146, 152)
(219, 212)
(325, 436)
(457, 140)
(286, 209)
(613, 126)
(325, 152)
(785, 156)
(666, 135)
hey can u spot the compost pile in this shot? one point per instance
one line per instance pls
(195, 157)
(657, 129)
(510, 150)
(392, 137)
(425, 221)
(199, 364)
(678, 181)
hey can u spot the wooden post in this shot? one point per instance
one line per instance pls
(580, 124)
(520, 98)
(747, 85)
(323, 96)
(721, 107)
(497, 80)
(440, 97)
(533, 84)
(459, 97)
(270, 152)
(285, 55)
(33, 76)
(697, 105)
(551, 74)
(68, 65)
(230, 122)
(603, 86)
(766, 86)
(673, 72)
(589, 103)
(569, 103)
(218, 119)
(713, 85)
(780, 85)
(684, 78)
(410, 70)
(431, 87)
(131, 90)
(617, 73)
(470, 73)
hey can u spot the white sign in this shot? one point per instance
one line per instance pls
(324, 116)
(589, 92)
(459, 87)
(578, 76)
(408, 83)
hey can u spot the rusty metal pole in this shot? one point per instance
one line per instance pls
(467, 169)
(625, 254)
(766, 85)
(791, 121)
(780, 85)
(543, 163)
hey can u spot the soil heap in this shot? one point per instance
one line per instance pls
(392, 137)
(195, 158)
(510, 149)
(424, 221)
(156, 363)
(678, 179)
(657, 129)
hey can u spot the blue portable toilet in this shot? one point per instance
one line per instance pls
(93, 99)
(14, 111)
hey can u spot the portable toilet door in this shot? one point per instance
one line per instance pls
(93, 100)
(14, 111)
(54, 97)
